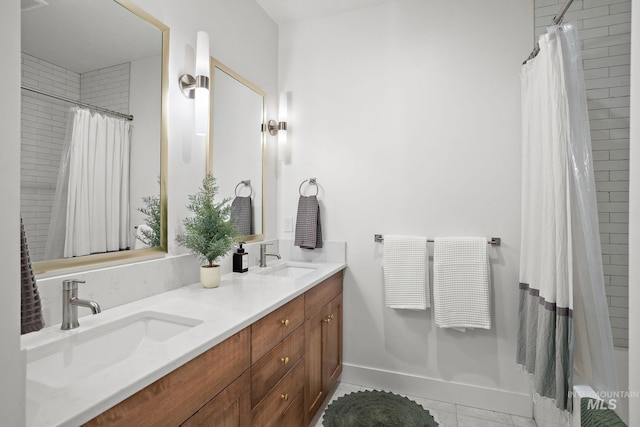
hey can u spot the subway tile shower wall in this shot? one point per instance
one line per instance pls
(605, 31)
(44, 121)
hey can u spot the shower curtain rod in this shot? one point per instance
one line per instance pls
(81, 104)
(556, 20)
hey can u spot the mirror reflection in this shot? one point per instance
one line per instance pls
(92, 86)
(237, 137)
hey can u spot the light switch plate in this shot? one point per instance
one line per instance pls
(287, 224)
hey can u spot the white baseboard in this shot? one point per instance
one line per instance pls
(435, 389)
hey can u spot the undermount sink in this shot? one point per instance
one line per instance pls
(290, 269)
(74, 357)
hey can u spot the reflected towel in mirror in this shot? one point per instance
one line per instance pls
(242, 214)
(30, 305)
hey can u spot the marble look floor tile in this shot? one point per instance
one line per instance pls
(485, 414)
(345, 388)
(434, 404)
(444, 418)
(523, 421)
(468, 421)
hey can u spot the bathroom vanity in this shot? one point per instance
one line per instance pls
(264, 348)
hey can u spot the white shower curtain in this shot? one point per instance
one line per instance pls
(560, 260)
(93, 186)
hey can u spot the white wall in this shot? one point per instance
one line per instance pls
(634, 223)
(408, 114)
(12, 383)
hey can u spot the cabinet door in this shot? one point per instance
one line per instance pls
(314, 391)
(230, 408)
(332, 344)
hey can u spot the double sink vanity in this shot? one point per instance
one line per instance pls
(264, 348)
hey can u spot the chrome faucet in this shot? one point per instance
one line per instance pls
(71, 302)
(264, 254)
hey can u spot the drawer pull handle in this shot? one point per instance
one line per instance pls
(328, 319)
(285, 397)
(285, 322)
(285, 360)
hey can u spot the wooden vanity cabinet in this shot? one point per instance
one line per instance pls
(276, 372)
(323, 342)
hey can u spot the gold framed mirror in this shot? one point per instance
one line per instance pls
(236, 147)
(93, 63)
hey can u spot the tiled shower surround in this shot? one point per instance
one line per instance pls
(43, 129)
(605, 31)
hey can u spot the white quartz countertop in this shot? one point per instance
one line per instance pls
(240, 300)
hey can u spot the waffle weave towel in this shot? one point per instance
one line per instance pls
(242, 214)
(461, 292)
(406, 272)
(30, 305)
(308, 225)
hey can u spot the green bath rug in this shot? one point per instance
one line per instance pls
(594, 413)
(376, 409)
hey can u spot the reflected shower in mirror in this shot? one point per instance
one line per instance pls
(237, 141)
(92, 131)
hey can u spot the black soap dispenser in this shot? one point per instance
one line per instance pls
(240, 260)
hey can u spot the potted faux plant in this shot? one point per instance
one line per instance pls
(208, 233)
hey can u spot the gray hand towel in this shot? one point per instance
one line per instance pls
(308, 226)
(30, 307)
(242, 214)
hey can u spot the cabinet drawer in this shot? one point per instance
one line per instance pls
(230, 408)
(266, 372)
(278, 400)
(275, 326)
(294, 415)
(321, 294)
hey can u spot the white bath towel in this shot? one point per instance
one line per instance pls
(461, 278)
(406, 272)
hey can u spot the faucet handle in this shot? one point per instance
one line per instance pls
(71, 284)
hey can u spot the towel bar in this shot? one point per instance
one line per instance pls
(494, 241)
(246, 183)
(312, 181)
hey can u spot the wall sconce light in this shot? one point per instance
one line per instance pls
(280, 127)
(197, 87)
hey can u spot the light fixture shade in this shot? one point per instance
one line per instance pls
(282, 118)
(202, 54)
(202, 99)
(282, 109)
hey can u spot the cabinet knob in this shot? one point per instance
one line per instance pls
(328, 319)
(285, 322)
(285, 397)
(285, 360)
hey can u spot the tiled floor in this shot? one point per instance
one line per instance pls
(446, 414)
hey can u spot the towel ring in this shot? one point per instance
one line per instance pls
(246, 183)
(312, 181)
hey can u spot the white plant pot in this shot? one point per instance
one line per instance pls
(210, 276)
